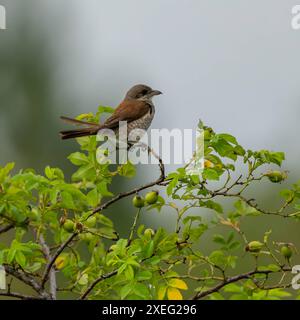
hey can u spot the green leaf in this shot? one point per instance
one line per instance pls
(84, 279)
(192, 219)
(210, 174)
(287, 194)
(211, 205)
(125, 290)
(87, 172)
(129, 272)
(216, 296)
(227, 137)
(20, 259)
(67, 200)
(143, 275)
(11, 255)
(102, 189)
(141, 290)
(172, 184)
(54, 173)
(93, 198)
(219, 239)
(127, 170)
(78, 158)
(5, 171)
(154, 260)
(271, 267)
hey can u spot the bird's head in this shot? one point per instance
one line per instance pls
(141, 92)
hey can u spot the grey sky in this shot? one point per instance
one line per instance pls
(233, 64)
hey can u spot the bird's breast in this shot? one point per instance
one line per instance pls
(143, 122)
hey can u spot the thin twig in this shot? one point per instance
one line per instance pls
(242, 276)
(19, 296)
(134, 225)
(7, 228)
(135, 190)
(54, 257)
(92, 286)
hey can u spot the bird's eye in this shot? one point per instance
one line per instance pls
(143, 93)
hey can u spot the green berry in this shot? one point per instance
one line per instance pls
(138, 202)
(208, 133)
(69, 225)
(151, 197)
(87, 237)
(34, 215)
(286, 251)
(254, 246)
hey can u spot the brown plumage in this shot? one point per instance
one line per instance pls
(137, 109)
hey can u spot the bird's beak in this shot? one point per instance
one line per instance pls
(155, 93)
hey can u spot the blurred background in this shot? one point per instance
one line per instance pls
(235, 66)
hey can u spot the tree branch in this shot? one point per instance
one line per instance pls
(30, 281)
(54, 257)
(135, 190)
(52, 276)
(19, 296)
(6, 228)
(242, 276)
(92, 286)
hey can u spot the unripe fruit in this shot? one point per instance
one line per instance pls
(151, 197)
(286, 251)
(138, 202)
(87, 237)
(254, 246)
(69, 225)
(149, 232)
(207, 133)
(34, 214)
(90, 222)
(276, 176)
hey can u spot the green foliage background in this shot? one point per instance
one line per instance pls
(64, 245)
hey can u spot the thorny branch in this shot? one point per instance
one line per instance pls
(233, 279)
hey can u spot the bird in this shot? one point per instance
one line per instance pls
(137, 109)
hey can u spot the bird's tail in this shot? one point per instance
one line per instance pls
(69, 134)
(92, 129)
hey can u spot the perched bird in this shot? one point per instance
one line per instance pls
(137, 109)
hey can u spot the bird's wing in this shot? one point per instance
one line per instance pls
(128, 110)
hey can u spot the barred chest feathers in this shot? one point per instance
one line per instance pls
(144, 122)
